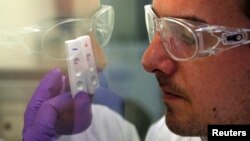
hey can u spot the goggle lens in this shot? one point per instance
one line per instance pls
(101, 25)
(150, 25)
(179, 41)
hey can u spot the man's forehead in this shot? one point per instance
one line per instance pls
(212, 12)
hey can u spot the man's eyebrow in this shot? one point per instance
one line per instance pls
(192, 18)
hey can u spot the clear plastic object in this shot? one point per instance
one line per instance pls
(48, 38)
(81, 65)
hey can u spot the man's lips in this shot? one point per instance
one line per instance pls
(168, 95)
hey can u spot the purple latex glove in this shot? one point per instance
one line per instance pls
(52, 111)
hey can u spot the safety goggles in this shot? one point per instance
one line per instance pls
(188, 40)
(48, 37)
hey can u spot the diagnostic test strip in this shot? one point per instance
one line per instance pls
(81, 65)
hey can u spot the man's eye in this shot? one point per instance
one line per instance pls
(187, 38)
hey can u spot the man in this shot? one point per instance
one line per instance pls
(203, 70)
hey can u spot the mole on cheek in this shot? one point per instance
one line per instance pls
(248, 74)
(215, 112)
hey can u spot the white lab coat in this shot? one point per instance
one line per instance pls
(106, 125)
(160, 132)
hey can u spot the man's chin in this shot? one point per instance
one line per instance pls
(182, 128)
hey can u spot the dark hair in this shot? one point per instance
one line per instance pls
(246, 7)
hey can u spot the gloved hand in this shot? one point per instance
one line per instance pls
(52, 111)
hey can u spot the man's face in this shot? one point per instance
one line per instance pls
(209, 90)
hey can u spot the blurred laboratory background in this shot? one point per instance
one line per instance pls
(21, 67)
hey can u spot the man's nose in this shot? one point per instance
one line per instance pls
(156, 58)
